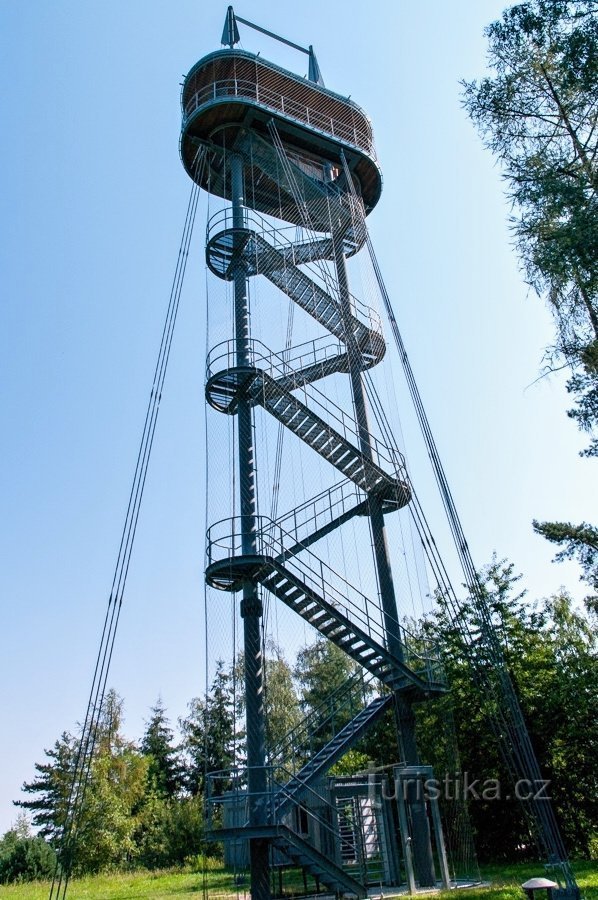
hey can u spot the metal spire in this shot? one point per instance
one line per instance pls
(314, 73)
(230, 37)
(230, 32)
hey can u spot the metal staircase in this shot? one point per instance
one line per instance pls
(336, 748)
(281, 560)
(322, 867)
(323, 723)
(302, 826)
(324, 599)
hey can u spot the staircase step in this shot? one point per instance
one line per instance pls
(312, 860)
(325, 758)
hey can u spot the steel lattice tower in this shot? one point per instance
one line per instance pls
(284, 150)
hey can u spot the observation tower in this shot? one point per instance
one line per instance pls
(293, 167)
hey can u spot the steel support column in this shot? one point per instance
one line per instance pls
(251, 606)
(422, 848)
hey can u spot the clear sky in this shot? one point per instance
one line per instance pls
(94, 201)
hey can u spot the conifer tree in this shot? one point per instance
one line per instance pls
(50, 789)
(537, 113)
(209, 734)
(157, 743)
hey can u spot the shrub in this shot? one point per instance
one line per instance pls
(25, 858)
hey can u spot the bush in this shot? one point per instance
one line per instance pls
(25, 858)
(169, 831)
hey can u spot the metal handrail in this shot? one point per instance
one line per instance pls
(222, 220)
(332, 501)
(278, 102)
(276, 367)
(224, 542)
(289, 362)
(270, 800)
(359, 685)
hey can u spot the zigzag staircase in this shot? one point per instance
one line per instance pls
(323, 723)
(282, 562)
(334, 750)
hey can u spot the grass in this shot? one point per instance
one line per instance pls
(505, 885)
(506, 880)
(132, 886)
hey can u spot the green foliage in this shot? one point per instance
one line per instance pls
(283, 712)
(579, 542)
(106, 827)
(584, 386)
(165, 773)
(50, 789)
(24, 857)
(551, 654)
(537, 113)
(209, 733)
(352, 763)
(322, 669)
(169, 831)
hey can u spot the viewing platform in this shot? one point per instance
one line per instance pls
(229, 92)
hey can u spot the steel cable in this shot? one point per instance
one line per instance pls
(89, 733)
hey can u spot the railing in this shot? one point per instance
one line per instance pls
(321, 509)
(280, 240)
(284, 363)
(280, 237)
(286, 238)
(227, 797)
(325, 721)
(238, 87)
(224, 543)
(275, 366)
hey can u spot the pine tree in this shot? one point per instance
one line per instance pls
(157, 743)
(550, 651)
(50, 789)
(209, 734)
(537, 114)
(579, 542)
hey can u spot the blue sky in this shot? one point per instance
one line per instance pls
(94, 202)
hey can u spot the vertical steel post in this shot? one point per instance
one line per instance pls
(440, 845)
(422, 848)
(405, 839)
(251, 605)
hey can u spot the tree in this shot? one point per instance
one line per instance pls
(106, 828)
(584, 385)
(322, 669)
(164, 772)
(283, 711)
(103, 828)
(24, 857)
(209, 734)
(550, 651)
(579, 542)
(537, 113)
(50, 789)
(169, 830)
